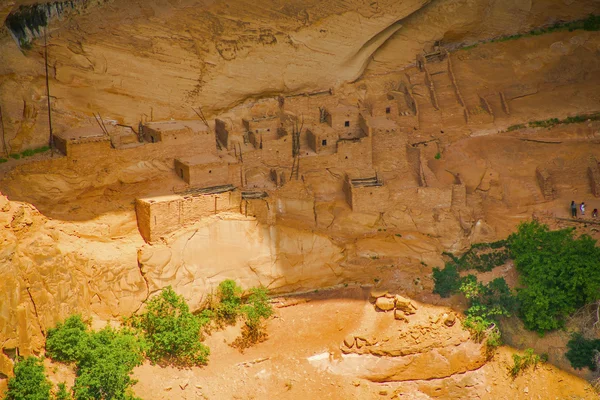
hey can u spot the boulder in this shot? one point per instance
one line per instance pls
(385, 304)
(377, 293)
(404, 304)
(349, 341)
(400, 316)
(449, 319)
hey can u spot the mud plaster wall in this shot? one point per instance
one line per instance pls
(355, 154)
(337, 120)
(88, 150)
(424, 197)
(162, 216)
(274, 153)
(372, 199)
(262, 209)
(204, 175)
(315, 141)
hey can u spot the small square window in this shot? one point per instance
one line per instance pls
(388, 110)
(324, 142)
(347, 123)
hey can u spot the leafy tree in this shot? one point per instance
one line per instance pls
(583, 352)
(63, 341)
(559, 274)
(29, 382)
(172, 332)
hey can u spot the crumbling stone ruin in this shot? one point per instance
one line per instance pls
(594, 176)
(544, 181)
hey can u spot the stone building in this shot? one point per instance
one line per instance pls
(83, 142)
(208, 170)
(162, 215)
(322, 139)
(366, 195)
(170, 131)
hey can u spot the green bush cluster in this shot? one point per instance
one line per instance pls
(29, 382)
(521, 363)
(173, 334)
(166, 332)
(583, 352)
(558, 274)
(104, 359)
(482, 257)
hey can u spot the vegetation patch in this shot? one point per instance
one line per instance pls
(487, 303)
(172, 333)
(527, 360)
(103, 359)
(447, 280)
(29, 382)
(551, 122)
(255, 310)
(583, 352)
(591, 23)
(558, 274)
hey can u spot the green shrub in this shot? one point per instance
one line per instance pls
(521, 363)
(62, 393)
(583, 352)
(29, 382)
(256, 310)
(438, 155)
(3, 160)
(558, 274)
(487, 303)
(447, 280)
(15, 156)
(515, 127)
(592, 23)
(230, 300)
(172, 332)
(62, 342)
(105, 361)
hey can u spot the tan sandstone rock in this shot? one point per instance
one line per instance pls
(404, 304)
(385, 304)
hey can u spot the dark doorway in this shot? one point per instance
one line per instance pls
(324, 142)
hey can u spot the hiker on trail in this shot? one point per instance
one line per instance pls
(582, 208)
(573, 209)
(595, 213)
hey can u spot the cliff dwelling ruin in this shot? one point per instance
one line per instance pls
(363, 174)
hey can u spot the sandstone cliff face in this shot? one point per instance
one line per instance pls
(155, 60)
